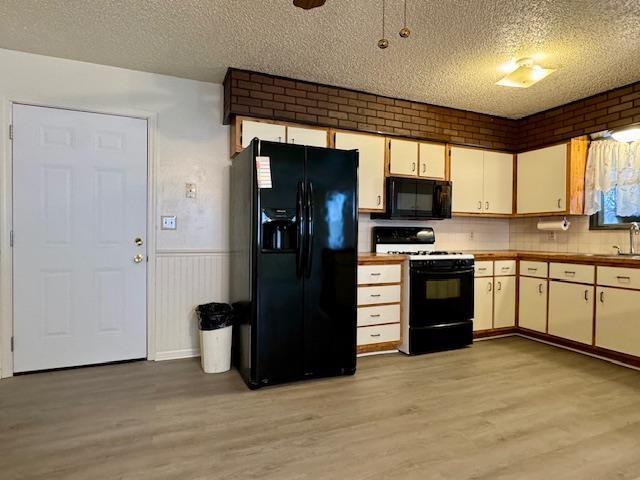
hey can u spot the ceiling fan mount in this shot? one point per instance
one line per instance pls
(308, 4)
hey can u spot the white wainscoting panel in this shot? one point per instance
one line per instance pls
(183, 281)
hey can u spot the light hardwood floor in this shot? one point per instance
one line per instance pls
(506, 408)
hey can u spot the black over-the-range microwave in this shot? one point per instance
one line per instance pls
(417, 199)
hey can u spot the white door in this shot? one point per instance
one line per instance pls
(431, 160)
(483, 304)
(617, 320)
(498, 182)
(466, 177)
(370, 167)
(571, 311)
(533, 304)
(504, 314)
(542, 180)
(403, 157)
(270, 132)
(314, 137)
(79, 204)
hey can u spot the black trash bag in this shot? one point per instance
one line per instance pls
(212, 316)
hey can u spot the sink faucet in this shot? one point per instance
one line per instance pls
(634, 229)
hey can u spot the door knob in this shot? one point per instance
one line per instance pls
(138, 258)
(138, 241)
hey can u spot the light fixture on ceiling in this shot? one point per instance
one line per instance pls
(404, 31)
(630, 133)
(526, 73)
(383, 42)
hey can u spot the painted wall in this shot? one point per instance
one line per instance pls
(192, 146)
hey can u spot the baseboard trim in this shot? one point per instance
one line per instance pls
(176, 354)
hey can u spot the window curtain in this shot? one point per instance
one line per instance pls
(614, 166)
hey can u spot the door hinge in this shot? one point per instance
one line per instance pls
(11, 238)
(12, 344)
(11, 131)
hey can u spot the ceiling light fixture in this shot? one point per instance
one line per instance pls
(383, 42)
(626, 134)
(525, 74)
(404, 31)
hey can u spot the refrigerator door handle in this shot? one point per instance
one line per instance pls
(309, 225)
(300, 229)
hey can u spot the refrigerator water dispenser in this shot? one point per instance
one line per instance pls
(278, 229)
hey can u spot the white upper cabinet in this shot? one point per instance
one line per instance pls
(498, 183)
(313, 137)
(431, 160)
(542, 180)
(466, 177)
(403, 157)
(371, 167)
(271, 132)
(482, 181)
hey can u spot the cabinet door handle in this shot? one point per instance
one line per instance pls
(601, 297)
(486, 205)
(490, 286)
(379, 199)
(586, 295)
(559, 203)
(479, 205)
(424, 168)
(499, 287)
(413, 166)
(540, 289)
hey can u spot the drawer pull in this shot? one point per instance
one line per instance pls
(505, 268)
(623, 279)
(375, 274)
(374, 295)
(532, 269)
(374, 315)
(570, 273)
(482, 269)
(374, 334)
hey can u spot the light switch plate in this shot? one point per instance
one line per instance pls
(168, 222)
(190, 190)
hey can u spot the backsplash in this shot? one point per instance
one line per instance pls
(524, 235)
(462, 233)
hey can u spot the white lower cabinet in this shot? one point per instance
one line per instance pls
(571, 311)
(618, 320)
(504, 302)
(483, 303)
(533, 304)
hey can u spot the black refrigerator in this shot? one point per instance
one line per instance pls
(294, 236)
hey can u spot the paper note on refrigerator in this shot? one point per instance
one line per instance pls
(263, 169)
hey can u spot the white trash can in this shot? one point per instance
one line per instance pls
(215, 349)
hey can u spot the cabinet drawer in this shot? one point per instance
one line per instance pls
(374, 295)
(378, 314)
(619, 277)
(484, 269)
(572, 272)
(378, 274)
(533, 269)
(504, 267)
(378, 334)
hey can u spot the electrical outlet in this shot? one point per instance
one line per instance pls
(551, 236)
(471, 235)
(168, 222)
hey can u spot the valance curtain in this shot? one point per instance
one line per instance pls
(614, 166)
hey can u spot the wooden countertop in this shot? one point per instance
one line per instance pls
(380, 257)
(590, 258)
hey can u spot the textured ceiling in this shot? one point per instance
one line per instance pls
(452, 57)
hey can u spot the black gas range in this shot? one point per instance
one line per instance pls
(440, 290)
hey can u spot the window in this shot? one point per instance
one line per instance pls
(607, 218)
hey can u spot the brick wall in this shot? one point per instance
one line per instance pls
(615, 108)
(278, 98)
(268, 96)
